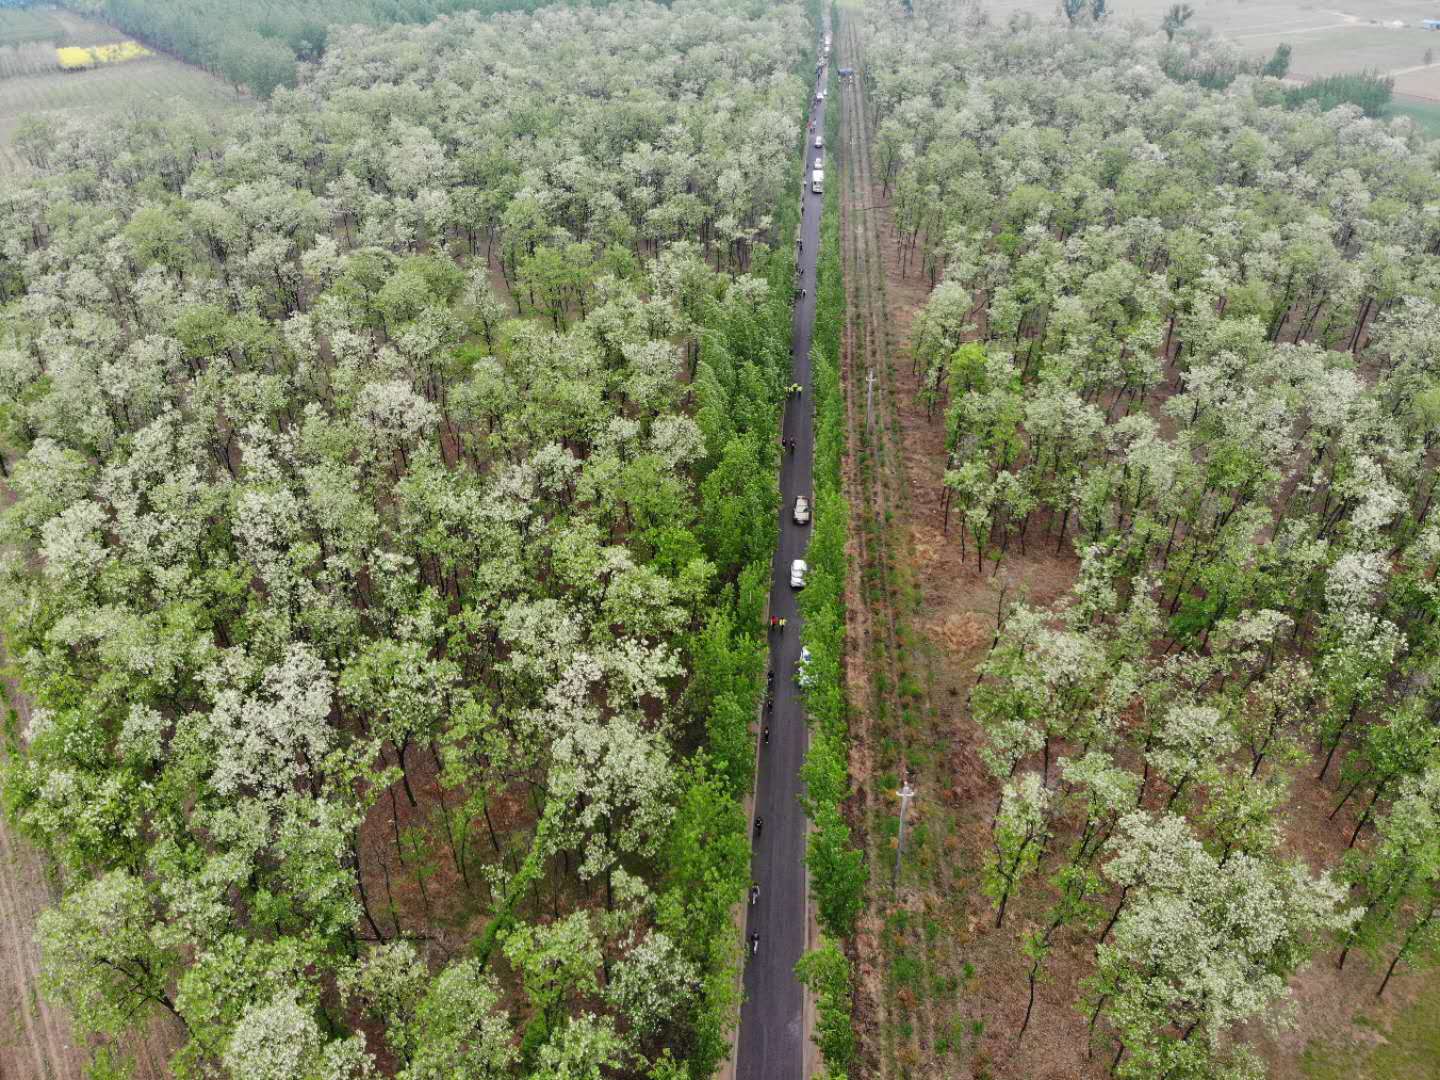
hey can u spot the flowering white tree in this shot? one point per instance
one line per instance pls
(460, 1029)
(103, 957)
(282, 1040)
(1021, 828)
(1200, 944)
(269, 734)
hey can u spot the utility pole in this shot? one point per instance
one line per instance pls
(906, 794)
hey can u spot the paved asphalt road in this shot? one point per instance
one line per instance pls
(772, 1037)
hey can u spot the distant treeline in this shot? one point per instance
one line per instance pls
(256, 43)
(1368, 90)
(1215, 68)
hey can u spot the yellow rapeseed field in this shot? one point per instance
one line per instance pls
(75, 58)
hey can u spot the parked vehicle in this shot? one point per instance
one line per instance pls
(803, 678)
(819, 139)
(817, 181)
(798, 570)
(802, 510)
(820, 164)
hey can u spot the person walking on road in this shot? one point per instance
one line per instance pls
(782, 625)
(765, 735)
(759, 824)
(754, 942)
(754, 893)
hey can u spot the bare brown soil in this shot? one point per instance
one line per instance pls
(35, 1040)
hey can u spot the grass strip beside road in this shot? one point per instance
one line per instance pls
(837, 868)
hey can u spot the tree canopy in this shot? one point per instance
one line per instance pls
(394, 481)
(1182, 337)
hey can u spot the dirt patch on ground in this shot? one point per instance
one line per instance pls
(35, 1040)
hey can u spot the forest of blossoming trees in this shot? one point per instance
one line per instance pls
(390, 490)
(1193, 337)
(393, 499)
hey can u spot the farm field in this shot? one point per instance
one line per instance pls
(21, 26)
(1325, 40)
(1425, 113)
(125, 88)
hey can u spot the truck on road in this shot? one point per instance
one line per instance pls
(817, 181)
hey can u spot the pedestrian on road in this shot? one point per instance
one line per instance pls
(754, 893)
(792, 446)
(759, 824)
(801, 242)
(754, 942)
(782, 625)
(766, 734)
(770, 677)
(769, 705)
(774, 622)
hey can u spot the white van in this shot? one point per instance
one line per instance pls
(817, 181)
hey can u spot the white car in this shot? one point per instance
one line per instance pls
(802, 510)
(798, 569)
(819, 142)
(819, 163)
(803, 678)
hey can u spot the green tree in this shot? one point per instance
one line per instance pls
(1175, 19)
(1278, 66)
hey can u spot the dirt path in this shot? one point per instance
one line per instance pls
(35, 1038)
